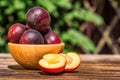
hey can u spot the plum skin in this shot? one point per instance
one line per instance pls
(15, 32)
(31, 36)
(52, 38)
(38, 18)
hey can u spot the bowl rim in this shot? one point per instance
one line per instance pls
(10, 43)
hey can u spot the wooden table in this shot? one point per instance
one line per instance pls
(93, 67)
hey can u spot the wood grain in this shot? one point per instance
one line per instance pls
(93, 67)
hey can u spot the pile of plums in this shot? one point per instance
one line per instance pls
(36, 31)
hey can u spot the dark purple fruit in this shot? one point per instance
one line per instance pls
(31, 36)
(52, 38)
(15, 32)
(38, 18)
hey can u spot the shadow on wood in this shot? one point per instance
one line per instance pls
(16, 67)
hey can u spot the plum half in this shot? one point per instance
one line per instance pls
(38, 18)
(15, 32)
(31, 36)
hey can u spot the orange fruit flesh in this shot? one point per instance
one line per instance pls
(73, 61)
(52, 58)
(68, 58)
(52, 61)
(76, 60)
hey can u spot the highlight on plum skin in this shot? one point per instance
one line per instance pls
(15, 32)
(31, 36)
(52, 38)
(38, 18)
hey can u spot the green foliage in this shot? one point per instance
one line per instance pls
(66, 16)
(79, 39)
(118, 2)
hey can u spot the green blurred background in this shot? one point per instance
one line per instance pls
(69, 18)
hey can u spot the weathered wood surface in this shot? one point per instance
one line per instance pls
(93, 67)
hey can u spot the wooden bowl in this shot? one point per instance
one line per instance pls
(29, 55)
